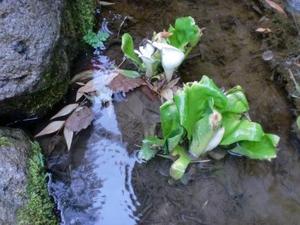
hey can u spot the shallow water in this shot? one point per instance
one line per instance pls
(99, 182)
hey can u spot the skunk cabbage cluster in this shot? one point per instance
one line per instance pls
(201, 117)
(166, 50)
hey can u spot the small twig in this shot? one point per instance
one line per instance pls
(294, 81)
(121, 25)
(124, 60)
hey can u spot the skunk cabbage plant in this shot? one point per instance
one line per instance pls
(166, 51)
(201, 117)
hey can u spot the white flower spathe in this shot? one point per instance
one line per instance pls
(171, 58)
(216, 139)
(145, 53)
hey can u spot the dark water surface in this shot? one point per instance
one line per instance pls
(99, 182)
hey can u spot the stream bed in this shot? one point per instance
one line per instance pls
(100, 181)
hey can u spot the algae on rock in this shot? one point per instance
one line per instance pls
(39, 209)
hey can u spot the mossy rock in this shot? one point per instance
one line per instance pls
(39, 89)
(39, 209)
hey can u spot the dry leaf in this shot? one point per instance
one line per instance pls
(80, 119)
(104, 3)
(65, 110)
(80, 83)
(123, 84)
(78, 95)
(51, 128)
(167, 94)
(87, 74)
(172, 83)
(165, 34)
(68, 134)
(263, 30)
(88, 87)
(151, 95)
(276, 6)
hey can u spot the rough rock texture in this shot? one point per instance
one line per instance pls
(38, 40)
(14, 149)
(29, 32)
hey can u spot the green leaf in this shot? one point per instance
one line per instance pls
(185, 34)
(237, 101)
(179, 167)
(194, 101)
(150, 147)
(244, 130)
(171, 128)
(130, 73)
(96, 39)
(263, 149)
(128, 50)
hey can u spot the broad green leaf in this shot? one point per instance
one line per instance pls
(263, 149)
(150, 147)
(230, 122)
(194, 101)
(178, 167)
(185, 34)
(128, 49)
(244, 131)
(237, 101)
(171, 128)
(129, 73)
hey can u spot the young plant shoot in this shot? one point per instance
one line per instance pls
(201, 117)
(165, 51)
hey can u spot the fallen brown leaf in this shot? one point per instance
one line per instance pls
(104, 3)
(84, 75)
(276, 6)
(263, 30)
(123, 84)
(65, 111)
(79, 119)
(167, 94)
(68, 134)
(51, 128)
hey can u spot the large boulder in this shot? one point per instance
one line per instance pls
(38, 40)
(14, 151)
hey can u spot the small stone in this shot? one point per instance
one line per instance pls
(217, 154)
(267, 55)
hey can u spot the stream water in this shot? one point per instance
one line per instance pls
(100, 182)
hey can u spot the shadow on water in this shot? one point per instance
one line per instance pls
(102, 184)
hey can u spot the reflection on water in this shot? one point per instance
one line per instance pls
(99, 190)
(92, 184)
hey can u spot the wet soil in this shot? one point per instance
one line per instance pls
(230, 191)
(233, 190)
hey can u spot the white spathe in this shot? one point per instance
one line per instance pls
(216, 139)
(145, 53)
(171, 58)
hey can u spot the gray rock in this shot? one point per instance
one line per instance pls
(29, 31)
(38, 40)
(14, 149)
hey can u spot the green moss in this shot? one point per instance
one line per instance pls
(83, 15)
(39, 208)
(4, 142)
